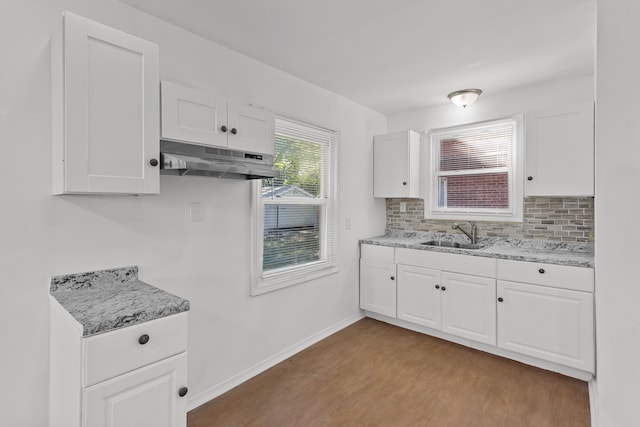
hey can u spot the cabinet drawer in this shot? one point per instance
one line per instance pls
(113, 353)
(557, 276)
(377, 253)
(457, 263)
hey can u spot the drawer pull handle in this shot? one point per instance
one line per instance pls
(393, 278)
(444, 289)
(500, 299)
(183, 391)
(437, 286)
(143, 339)
(541, 271)
(223, 128)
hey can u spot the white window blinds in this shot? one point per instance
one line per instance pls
(298, 208)
(473, 169)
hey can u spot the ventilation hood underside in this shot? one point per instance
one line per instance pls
(186, 159)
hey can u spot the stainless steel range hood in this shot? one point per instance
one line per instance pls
(182, 159)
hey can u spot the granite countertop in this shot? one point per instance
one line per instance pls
(102, 301)
(563, 253)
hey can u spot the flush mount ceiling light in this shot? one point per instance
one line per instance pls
(464, 97)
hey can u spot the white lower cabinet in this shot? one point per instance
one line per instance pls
(134, 376)
(545, 311)
(469, 307)
(144, 397)
(378, 287)
(454, 303)
(550, 321)
(419, 296)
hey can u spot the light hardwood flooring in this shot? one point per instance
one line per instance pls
(375, 374)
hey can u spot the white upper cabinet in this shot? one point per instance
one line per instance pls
(193, 116)
(202, 118)
(560, 151)
(105, 110)
(254, 128)
(396, 165)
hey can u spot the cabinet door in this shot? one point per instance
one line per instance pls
(419, 295)
(144, 397)
(560, 152)
(549, 323)
(396, 168)
(378, 287)
(250, 129)
(193, 116)
(111, 103)
(469, 307)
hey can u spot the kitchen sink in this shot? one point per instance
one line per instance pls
(457, 245)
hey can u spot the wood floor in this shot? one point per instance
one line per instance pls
(375, 374)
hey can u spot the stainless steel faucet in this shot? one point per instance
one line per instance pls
(474, 231)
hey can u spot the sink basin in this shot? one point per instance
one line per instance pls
(446, 244)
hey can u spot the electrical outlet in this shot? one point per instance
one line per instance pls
(197, 211)
(403, 207)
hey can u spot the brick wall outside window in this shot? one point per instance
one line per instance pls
(567, 219)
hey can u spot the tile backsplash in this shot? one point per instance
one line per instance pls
(568, 219)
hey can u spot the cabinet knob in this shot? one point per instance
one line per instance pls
(444, 289)
(183, 391)
(529, 178)
(404, 182)
(223, 128)
(143, 339)
(541, 271)
(393, 278)
(234, 131)
(153, 162)
(437, 286)
(500, 299)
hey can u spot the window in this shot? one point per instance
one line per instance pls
(476, 172)
(295, 225)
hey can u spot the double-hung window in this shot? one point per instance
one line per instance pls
(295, 230)
(475, 172)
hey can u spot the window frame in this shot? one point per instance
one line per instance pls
(516, 183)
(263, 282)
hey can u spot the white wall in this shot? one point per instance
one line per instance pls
(495, 106)
(43, 235)
(616, 214)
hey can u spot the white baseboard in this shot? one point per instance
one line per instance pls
(593, 401)
(236, 380)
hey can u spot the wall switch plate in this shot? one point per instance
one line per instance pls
(347, 223)
(196, 211)
(403, 207)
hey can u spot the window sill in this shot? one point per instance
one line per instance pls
(274, 281)
(474, 216)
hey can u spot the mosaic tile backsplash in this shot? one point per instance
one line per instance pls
(567, 219)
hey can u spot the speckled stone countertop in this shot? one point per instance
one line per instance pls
(550, 252)
(102, 301)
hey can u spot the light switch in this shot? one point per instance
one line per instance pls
(197, 211)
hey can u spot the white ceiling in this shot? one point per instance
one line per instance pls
(398, 55)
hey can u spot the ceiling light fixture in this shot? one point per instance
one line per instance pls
(464, 97)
